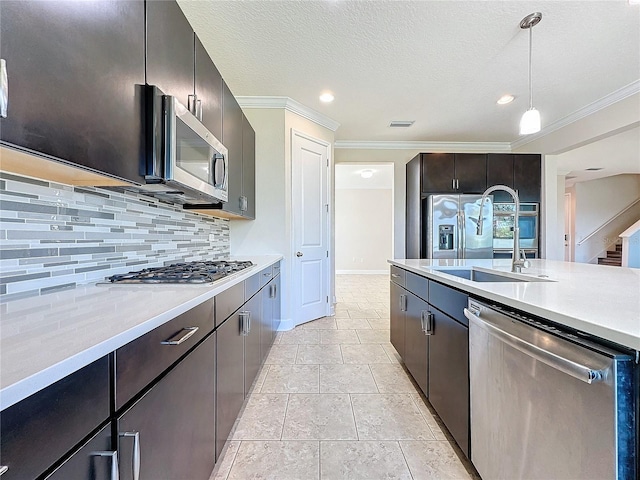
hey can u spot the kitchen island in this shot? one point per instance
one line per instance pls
(514, 363)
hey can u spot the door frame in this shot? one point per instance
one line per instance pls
(329, 263)
(568, 234)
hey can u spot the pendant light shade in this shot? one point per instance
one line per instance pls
(530, 121)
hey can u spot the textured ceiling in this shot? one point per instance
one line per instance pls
(441, 63)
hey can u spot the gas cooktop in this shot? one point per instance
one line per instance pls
(198, 272)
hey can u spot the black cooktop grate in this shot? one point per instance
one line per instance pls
(191, 272)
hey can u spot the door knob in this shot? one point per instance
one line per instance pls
(299, 254)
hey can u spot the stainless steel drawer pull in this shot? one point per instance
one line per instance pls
(245, 323)
(426, 320)
(267, 274)
(180, 337)
(4, 104)
(135, 463)
(115, 474)
(3, 469)
(395, 275)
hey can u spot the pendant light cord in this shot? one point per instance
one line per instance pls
(530, 82)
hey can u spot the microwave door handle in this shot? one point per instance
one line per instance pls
(214, 162)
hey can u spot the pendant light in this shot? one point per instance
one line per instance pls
(530, 121)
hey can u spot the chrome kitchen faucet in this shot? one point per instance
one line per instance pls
(517, 262)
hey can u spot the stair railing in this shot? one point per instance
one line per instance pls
(597, 230)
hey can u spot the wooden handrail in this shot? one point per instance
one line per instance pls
(608, 222)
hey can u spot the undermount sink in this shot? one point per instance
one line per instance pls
(478, 275)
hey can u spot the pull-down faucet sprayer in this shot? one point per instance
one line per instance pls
(517, 261)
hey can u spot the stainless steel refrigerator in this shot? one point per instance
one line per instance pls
(451, 222)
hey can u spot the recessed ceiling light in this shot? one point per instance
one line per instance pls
(326, 97)
(402, 123)
(368, 173)
(634, 2)
(594, 169)
(503, 100)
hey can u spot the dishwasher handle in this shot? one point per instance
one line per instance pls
(576, 370)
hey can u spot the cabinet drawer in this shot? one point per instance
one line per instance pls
(417, 285)
(85, 463)
(139, 362)
(252, 285)
(266, 275)
(397, 275)
(448, 300)
(228, 302)
(42, 428)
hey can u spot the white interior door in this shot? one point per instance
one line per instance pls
(310, 175)
(567, 227)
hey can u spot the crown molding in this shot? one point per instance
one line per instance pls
(460, 147)
(291, 105)
(606, 101)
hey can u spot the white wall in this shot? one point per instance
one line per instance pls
(596, 202)
(363, 230)
(271, 231)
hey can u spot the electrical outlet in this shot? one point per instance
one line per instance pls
(212, 237)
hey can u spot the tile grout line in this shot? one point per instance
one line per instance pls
(415, 403)
(284, 419)
(405, 459)
(353, 412)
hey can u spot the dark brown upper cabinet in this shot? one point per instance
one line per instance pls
(208, 90)
(232, 139)
(454, 173)
(248, 199)
(522, 172)
(76, 75)
(170, 50)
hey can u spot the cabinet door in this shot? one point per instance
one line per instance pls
(277, 309)
(266, 328)
(413, 218)
(76, 76)
(170, 50)
(175, 421)
(232, 139)
(229, 378)
(527, 174)
(471, 172)
(90, 462)
(42, 428)
(397, 318)
(252, 354)
(438, 172)
(208, 84)
(500, 172)
(416, 342)
(248, 168)
(449, 376)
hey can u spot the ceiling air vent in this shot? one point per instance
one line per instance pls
(402, 123)
(593, 169)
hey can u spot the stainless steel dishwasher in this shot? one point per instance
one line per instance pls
(547, 403)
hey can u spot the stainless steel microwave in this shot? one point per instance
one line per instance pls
(185, 162)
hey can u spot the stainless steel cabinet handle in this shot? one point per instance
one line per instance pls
(267, 274)
(244, 203)
(191, 103)
(576, 370)
(135, 464)
(395, 275)
(457, 184)
(453, 183)
(3, 468)
(245, 323)
(180, 337)
(199, 109)
(299, 254)
(275, 290)
(115, 474)
(4, 104)
(428, 322)
(403, 303)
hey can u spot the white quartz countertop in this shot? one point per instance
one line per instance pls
(600, 300)
(45, 338)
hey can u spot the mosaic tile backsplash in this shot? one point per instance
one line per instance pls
(55, 236)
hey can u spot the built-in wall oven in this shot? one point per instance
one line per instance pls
(503, 223)
(185, 162)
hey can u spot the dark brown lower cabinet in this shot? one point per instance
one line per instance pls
(266, 328)
(95, 460)
(171, 429)
(416, 342)
(252, 356)
(230, 377)
(397, 333)
(449, 375)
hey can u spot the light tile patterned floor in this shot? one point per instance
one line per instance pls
(334, 402)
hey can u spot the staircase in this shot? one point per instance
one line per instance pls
(613, 258)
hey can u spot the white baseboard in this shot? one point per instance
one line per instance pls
(362, 272)
(286, 324)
